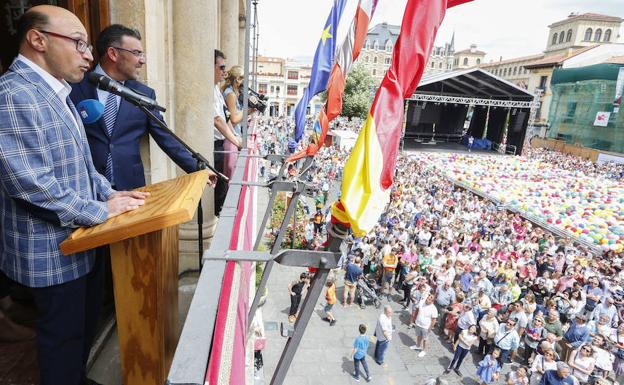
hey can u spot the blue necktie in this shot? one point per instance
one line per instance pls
(110, 113)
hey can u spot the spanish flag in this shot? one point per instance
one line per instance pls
(369, 171)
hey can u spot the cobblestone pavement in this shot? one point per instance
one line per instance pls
(323, 355)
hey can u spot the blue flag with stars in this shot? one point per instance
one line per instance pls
(322, 66)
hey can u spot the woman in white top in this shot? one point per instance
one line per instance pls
(467, 338)
(542, 363)
(582, 362)
(488, 326)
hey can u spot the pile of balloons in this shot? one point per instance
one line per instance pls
(590, 209)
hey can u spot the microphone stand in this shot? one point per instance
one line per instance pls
(202, 163)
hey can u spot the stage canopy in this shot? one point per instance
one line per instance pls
(497, 110)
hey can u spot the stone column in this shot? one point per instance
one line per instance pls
(241, 33)
(194, 41)
(229, 31)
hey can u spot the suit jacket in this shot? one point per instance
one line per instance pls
(48, 184)
(130, 125)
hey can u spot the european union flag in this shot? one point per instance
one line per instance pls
(322, 66)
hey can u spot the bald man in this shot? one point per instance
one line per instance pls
(49, 187)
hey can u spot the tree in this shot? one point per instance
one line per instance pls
(358, 93)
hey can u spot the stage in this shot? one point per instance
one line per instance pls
(411, 146)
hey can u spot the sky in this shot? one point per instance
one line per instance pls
(507, 28)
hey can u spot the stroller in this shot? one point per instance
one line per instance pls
(367, 290)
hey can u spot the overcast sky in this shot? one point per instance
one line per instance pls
(507, 28)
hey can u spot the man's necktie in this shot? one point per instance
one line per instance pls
(110, 113)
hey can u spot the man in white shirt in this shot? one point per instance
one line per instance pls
(426, 317)
(383, 332)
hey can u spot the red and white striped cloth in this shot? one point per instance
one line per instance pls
(346, 55)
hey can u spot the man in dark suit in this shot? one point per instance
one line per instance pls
(115, 138)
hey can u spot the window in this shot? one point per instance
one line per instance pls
(375, 45)
(367, 44)
(389, 46)
(291, 90)
(365, 58)
(607, 37)
(554, 40)
(374, 72)
(440, 66)
(569, 36)
(432, 65)
(588, 34)
(387, 60)
(598, 35)
(478, 61)
(561, 37)
(293, 75)
(515, 71)
(272, 89)
(375, 60)
(505, 72)
(277, 89)
(543, 81)
(262, 88)
(465, 61)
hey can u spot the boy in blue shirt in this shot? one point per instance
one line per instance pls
(360, 347)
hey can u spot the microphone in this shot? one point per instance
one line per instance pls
(90, 110)
(105, 83)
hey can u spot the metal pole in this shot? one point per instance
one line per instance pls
(255, 45)
(245, 126)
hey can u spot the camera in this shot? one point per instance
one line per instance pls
(256, 100)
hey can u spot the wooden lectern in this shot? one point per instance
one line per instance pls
(144, 257)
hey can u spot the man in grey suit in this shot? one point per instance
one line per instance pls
(49, 187)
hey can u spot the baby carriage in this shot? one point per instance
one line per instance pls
(367, 290)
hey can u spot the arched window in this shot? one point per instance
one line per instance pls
(515, 70)
(561, 37)
(374, 72)
(432, 65)
(367, 44)
(478, 61)
(588, 34)
(554, 40)
(569, 36)
(365, 58)
(598, 35)
(389, 46)
(375, 60)
(440, 66)
(375, 45)
(465, 61)
(505, 72)
(607, 37)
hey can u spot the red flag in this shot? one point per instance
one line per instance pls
(369, 171)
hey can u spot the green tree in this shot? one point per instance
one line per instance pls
(358, 93)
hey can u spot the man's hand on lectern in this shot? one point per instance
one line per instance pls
(122, 201)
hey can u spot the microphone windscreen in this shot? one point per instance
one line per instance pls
(90, 110)
(94, 78)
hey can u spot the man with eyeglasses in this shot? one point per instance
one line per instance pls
(115, 138)
(49, 186)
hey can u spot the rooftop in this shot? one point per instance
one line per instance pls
(382, 32)
(513, 60)
(557, 59)
(587, 16)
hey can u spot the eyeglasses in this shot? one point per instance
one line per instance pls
(587, 349)
(81, 45)
(135, 52)
(222, 67)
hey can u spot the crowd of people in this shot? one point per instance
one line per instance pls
(487, 281)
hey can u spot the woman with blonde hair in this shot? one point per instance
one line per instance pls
(231, 90)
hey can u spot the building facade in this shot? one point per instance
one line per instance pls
(468, 58)
(567, 39)
(582, 30)
(284, 81)
(376, 55)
